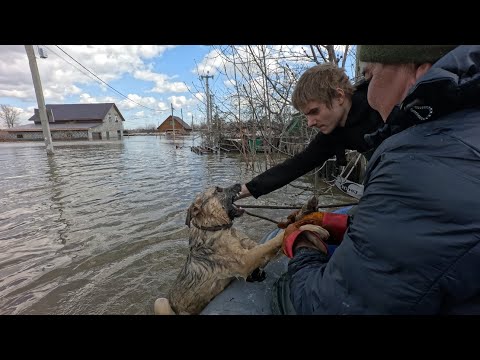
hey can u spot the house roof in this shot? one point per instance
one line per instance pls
(84, 112)
(53, 127)
(184, 124)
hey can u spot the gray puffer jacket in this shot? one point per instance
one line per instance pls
(413, 246)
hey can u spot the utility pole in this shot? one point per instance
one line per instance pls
(181, 117)
(217, 125)
(173, 125)
(42, 111)
(219, 122)
(208, 106)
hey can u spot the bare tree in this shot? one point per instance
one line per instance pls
(255, 102)
(9, 114)
(262, 78)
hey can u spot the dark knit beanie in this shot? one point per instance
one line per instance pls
(402, 54)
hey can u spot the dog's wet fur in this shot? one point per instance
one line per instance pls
(218, 253)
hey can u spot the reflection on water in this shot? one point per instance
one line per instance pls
(99, 228)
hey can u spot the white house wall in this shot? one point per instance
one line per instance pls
(109, 129)
(56, 135)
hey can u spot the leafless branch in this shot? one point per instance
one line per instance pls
(9, 114)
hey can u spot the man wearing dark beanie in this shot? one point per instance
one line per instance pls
(413, 246)
(403, 54)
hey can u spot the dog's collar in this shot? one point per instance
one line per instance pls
(213, 228)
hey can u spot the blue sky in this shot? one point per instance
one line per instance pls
(154, 76)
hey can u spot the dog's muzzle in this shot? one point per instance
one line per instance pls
(231, 194)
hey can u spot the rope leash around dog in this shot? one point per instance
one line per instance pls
(285, 207)
(247, 206)
(261, 217)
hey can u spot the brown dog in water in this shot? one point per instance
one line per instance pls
(217, 253)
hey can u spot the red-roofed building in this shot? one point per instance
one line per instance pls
(177, 125)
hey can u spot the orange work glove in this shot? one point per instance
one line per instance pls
(335, 224)
(290, 220)
(314, 234)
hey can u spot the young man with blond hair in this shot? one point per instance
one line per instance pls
(325, 95)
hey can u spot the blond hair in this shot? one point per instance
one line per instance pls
(320, 83)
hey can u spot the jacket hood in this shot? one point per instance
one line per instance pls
(451, 84)
(360, 108)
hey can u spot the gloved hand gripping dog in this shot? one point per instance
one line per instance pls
(319, 228)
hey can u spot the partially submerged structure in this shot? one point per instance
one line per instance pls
(101, 121)
(174, 124)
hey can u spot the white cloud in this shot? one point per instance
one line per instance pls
(161, 81)
(154, 106)
(62, 76)
(181, 102)
(162, 106)
(24, 115)
(135, 100)
(211, 63)
(15, 75)
(229, 83)
(200, 96)
(87, 99)
(15, 93)
(109, 99)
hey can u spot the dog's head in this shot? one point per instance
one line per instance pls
(214, 207)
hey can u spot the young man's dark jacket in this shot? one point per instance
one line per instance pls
(413, 246)
(361, 120)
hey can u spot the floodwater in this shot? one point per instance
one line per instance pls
(99, 227)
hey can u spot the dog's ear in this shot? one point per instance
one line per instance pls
(312, 204)
(192, 211)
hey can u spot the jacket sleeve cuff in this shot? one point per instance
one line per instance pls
(289, 243)
(252, 189)
(336, 225)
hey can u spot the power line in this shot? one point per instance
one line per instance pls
(118, 92)
(68, 62)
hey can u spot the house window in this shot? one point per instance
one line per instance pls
(109, 118)
(116, 118)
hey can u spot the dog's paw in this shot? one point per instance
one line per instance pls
(257, 275)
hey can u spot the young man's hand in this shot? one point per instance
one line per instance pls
(243, 193)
